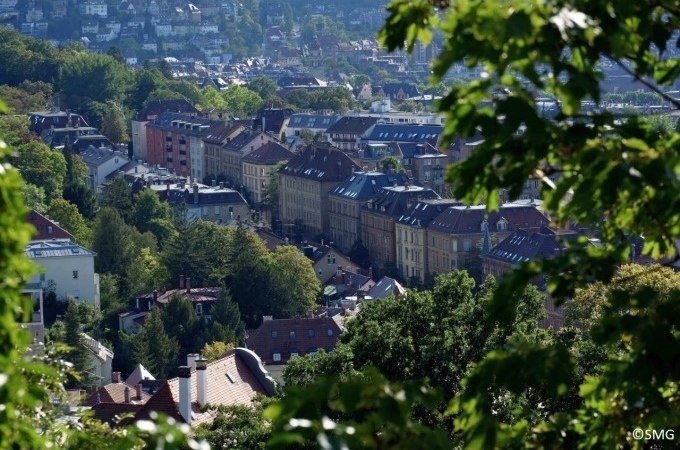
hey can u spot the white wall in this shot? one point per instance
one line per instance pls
(60, 269)
(139, 149)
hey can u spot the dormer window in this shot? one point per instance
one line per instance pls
(502, 224)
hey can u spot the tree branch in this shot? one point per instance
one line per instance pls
(647, 83)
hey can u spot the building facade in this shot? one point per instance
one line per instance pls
(257, 168)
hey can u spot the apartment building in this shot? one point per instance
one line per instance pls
(258, 165)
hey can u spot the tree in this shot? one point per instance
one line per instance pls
(111, 242)
(307, 369)
(226, 324)
(248, 275)
(153, 347)
(34, 197)
(119, 197)
(89, 77)
(238, 427)
(183, 324)
(241, 101)
(296, 285)
(71, 220)
(264, 87)
(390, 163)
(359, 254)
(41, 166)
(114, 123)
(150, 214)
(146, 273)
(78, 354)
(82, 197)
(212, 351)
(271, 191)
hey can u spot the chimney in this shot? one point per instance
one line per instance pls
(115, 377)
(195, 194)
(191, 360)
(202, 380)
(167, 188)
(181, 281)
(187, 282)
(184, 374)
(221, 184)
(370, 272)
(127, 394)
(155, 295)
(138, 388)
(214, 183)
(267, 318)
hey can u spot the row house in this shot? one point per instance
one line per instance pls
(304, 185)
(101, 162)
(97, 8)
(524, 246)
(213, 144)
(233, 151)
(258, 166)
(175, 141)
(403, 133)
(379, 216)
(346, 133)
(412, 237)
(456, 235)
(346, 199)
(213, 203)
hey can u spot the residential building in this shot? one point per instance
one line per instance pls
(395, 91)
(378, 218)
(40, 121)
(234, 150)
(523, 246)
(278, 340)
(313, 122)
(347, 131)
(102, 162)
(384, 287)
(456, 235)
(412, 237)
(346, 283)
(213, 144)
(46, 229)
(101, 358)
(234, 379)
(416, 133)
(428, 170)
(273, 121)
(257, 167)
(346, 199)
(150, 112)
(214, 203)
(97, 8)
(175, 140)
(327, 260)
(67, 268)
(36, 322)
(304, 183)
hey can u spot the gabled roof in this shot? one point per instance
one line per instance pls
(286, 336)
(388, 132)
(156, 107)
(138, 374)
(420, 214)
(523, 245)
(287, 82)
(95, 157)
(366, 185)
(222, 133)
(352, 125)
(111, 413)
(234, 379)
(394, 200)
(320, 162)
(46, 228)
(468, 219)
(238, 142)
(386, 286)
(207, 195)
(274, 120)
(268, 154)
(392, 89)
(193, 294)
(56, 248)
(115, 393)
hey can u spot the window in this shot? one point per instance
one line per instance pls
(275, 334)
(310, 333)
(467, 245)
(276, 357)
(291, 334)
(199, 309)
(217, 210)
(329, 332)
(293, 354)
(75, 274)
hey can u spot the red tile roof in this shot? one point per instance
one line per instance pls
(46, 228)
(114, 393)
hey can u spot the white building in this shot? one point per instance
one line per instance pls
(36, 322)
(101, 358)
(67, 268)
(101, 162)
(96, 8)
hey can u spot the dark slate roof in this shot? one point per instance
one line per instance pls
(239, 141)
(392, 89)
(206, 196)
(468, 219)
(43, 120)
(268, 154)
(523, 245)
(352, 125)
(286, 336)
(389, 132)
(366, 185)
(386, 286)
(312, 121)
(422, 212)
(275, 118)
(320, 162)
(97, 156)
(95, 140)
(221, 133)
(46, 228)
(393, 201)
(157, 107)
(316, 252)
(177, 121)
(298, 81)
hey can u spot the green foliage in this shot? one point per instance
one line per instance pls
(89, 77)
(26, 59)
(34, 197)
(304, 370)
(119, 197)
(376, 414)
(296, 284)
(78, 354)
(111, 241)
(226, 324)
(271, 191)
(336, 99)
(391, 163)
(71, 220)
(265, 87)
(145, 273)
(183, 324)
(153, 347)
(150, 214)
(238, 427)
(114, 123)
(82, 197)
(27, 96)
(212, 351)
(359, 254)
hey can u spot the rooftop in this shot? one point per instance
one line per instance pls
(56, 248)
